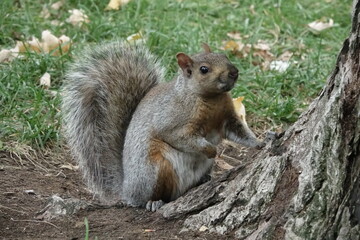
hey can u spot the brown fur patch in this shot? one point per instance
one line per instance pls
(211, 114)
(167, 180)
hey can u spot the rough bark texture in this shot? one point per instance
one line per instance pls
(304, 185)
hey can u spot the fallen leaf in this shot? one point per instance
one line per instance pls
(135, 38)
(285, 56)
(48, 44)
(34, 44)
(262, 45)
(65, 42)
(240, 108)
(264, 54)
(234, 35)
(56, 23)
(234, 46)
(222, 164)
(57, 5)
(45, 80)
(6, 55)
(279, 65)
(51, 42)
(116, 4)
(45, 13)
(319, 25)
(238, 48)
(77, 17)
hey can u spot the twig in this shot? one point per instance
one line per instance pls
(2, 206)
(36, 221)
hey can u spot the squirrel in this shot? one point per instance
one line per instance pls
(143, 140)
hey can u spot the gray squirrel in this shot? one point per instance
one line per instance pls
(143, 140)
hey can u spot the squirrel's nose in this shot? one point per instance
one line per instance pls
(234, 73)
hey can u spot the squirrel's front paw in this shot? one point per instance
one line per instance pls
(153, 206)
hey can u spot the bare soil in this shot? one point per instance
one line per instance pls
(26, 183)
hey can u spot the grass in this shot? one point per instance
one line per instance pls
(30, 115)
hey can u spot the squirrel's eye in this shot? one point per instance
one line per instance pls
(204, 69)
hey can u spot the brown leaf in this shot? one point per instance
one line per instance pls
(240, 108)
(222, 164)
(285, 56)
(77, 17)
(319, 25)
(57, 5)
(116, 4)
(6, 55)
(234, 35)
(45, 80)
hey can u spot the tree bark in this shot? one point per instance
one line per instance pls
(303, 185)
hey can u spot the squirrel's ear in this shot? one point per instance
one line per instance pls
(206, 47)
(185, 63)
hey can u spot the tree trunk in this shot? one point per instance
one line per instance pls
(305, 184)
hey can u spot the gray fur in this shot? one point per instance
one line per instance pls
(100, 94)
(114, 108)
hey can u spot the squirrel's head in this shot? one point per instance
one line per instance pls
(209, 73)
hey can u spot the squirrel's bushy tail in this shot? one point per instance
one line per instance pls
(100, 93)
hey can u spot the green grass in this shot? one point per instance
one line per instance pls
(30, 115)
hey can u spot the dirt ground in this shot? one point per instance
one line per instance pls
(26, 182)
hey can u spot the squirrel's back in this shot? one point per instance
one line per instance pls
(101, 91)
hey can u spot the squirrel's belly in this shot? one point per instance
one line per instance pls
(189, 167)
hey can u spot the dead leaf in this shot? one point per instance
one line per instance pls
(262, 45)
(34, 44)
(285, 56)
(49, 41)
(279, 65)
(319, 25)
(56, 23)
(222, 164)
(57, 5)
(48, 44)
(262, 54)
(238, 48)
(6, 56)
(240, 108)
(135, 38)
(45, 80)
(77, 17)
(45, 13)
(234, 46)
(116, 4)
(282, 63)
(234, 35)
(65, 43)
